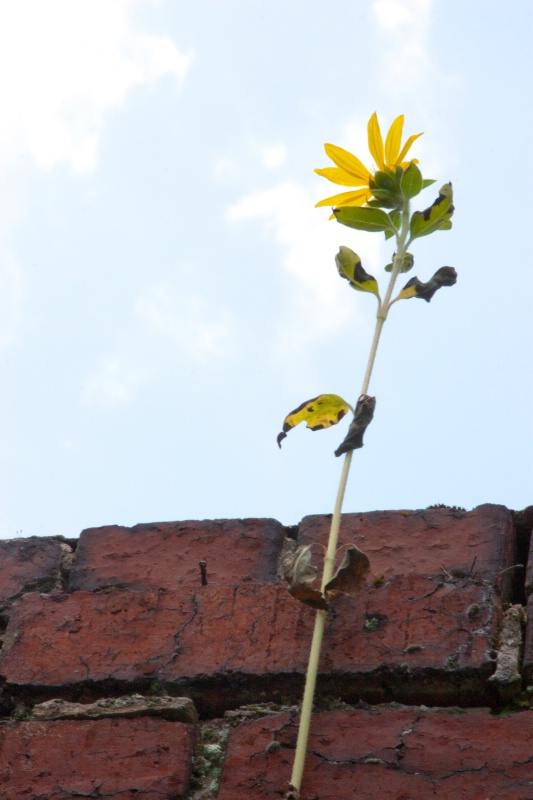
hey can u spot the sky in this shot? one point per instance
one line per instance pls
(168, 291)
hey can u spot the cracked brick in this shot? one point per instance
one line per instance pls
(391, 753)
(119, 759)
(257, 631)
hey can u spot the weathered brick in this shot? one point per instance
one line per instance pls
(120, 759)
(528, 645)
(391, 754)
(524, 524)
(166, 555)
(406, 636)
(479, 543)
(30, 565)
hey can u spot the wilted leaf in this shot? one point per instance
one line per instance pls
(445, 276)
(350, 577)
(364, 411)
(365, 219)
(436, 217)
(320, 412)
(350, 267)
(407, 263)
(300, 574)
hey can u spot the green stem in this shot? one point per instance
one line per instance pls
(329, 561)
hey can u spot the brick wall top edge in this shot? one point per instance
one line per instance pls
(138, 527)
(414, 511)
(141, 527)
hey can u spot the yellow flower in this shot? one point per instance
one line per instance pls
(349, 171)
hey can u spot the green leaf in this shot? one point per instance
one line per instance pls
(350, 267)
(445, 276)
(385, 187)
(411, 182)
(396, 218)
(373, 220)
(364, 412)
(407, 263)
(320, 412)
(436, 217)
(428, 182)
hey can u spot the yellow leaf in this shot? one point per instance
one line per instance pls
(350, 267)
(320, 412)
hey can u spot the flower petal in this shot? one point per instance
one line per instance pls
(405, 164)
(340, 176)
(357, 198)
(348, 162)
(407, 147)
(375, 142)
(393, 141)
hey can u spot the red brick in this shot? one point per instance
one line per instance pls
(69, 638)
(165, 555)
(417, 627)
(108, 758)
(29, 565)
(480, 543)
(390, 754)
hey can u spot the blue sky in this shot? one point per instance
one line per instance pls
(168, 291)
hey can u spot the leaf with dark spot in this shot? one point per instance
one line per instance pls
(445, 276)
(407, 263)
(319, 412)
(364, 412)
(436, 217)
(300, 574)
(351, 575)
(350, 267)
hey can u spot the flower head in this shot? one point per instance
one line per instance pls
(349, 171)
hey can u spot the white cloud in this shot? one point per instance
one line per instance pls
(168, 328)
(273, 156)
(113, 384)
(193, 325)
(404, 26)
(65, 65)
(320, 303)
(226, 168)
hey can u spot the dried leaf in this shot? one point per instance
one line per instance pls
(319, 412)
(364, 411)
(351, 575)
(309, 596)
(445, 276)
(300, 574)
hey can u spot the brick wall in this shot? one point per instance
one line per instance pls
(125, 675)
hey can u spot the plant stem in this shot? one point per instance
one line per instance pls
(329, 560)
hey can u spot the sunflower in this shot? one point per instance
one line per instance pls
(349, 171)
